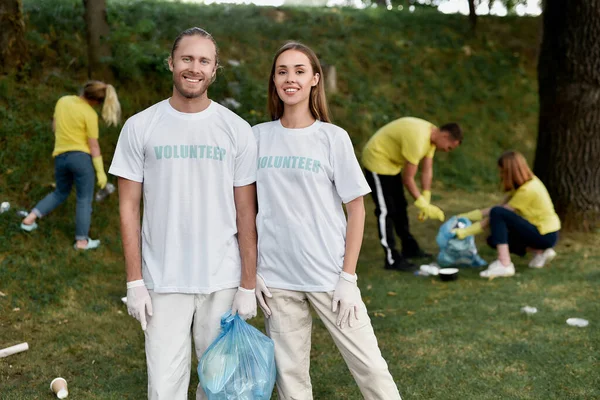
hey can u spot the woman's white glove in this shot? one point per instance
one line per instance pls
(244, 303)
(261, 291)
(138, 301)
(347, 294)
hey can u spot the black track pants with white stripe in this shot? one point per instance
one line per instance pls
(390, 210)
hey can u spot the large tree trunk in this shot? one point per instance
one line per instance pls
(97, 38)
(472, 15)
(567, 157)
(13, 48)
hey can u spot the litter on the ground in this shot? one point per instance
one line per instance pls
(124, 300)
(22, 213)
(428, 270)
(529, 310)
(579, 322)
(59, 387)
(4, 207)
(18, 348)
(2, 294)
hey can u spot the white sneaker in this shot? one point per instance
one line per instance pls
(91, 244)
(542, 259)
(497, 269)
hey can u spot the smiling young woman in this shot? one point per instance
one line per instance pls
(307, 249)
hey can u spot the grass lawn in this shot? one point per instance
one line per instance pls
(459, 340)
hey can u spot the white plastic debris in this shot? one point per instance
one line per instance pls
(18, 348)
(428, 269)
(529, 310)
(579, 322)
(22, 213)
(230, 103)
(234, 63)
(105, 192)
(4, 207)
(124, 300)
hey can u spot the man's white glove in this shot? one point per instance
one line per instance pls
(138, 301)
(244, 303)
(347, 294)
(261, 291)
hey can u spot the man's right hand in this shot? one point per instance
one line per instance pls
(138, 301)
(429, 210)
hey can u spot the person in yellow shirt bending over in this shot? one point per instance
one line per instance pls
(526, 220)
(391, 159)
(76, 156)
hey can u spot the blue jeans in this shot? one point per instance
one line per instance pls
(512, 229)
(73, 166)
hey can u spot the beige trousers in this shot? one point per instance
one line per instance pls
(176, 318)
(290, 327)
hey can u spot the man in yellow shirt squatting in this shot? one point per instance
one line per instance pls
(391, 159)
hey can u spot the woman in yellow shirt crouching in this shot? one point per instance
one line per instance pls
(526, 220)
(76, 156)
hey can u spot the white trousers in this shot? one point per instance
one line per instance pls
(176, 318)
(290, 327)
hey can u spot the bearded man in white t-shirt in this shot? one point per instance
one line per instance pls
(193, 162)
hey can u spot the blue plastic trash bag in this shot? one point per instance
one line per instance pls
(456, 252)
(239, 364)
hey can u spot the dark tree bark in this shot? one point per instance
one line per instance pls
(472, 15)
(13, 48)
(97, 38)
(567, 157)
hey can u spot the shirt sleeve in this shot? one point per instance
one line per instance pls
(520, 200)
(431, 152)
(91, 125)
(128, 160)
(246, 157)
(349, 181)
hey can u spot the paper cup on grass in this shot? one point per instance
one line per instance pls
(59, 388)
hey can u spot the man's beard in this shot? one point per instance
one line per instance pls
(190, 94)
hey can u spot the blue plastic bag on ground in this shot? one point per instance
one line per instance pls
(239, 364)
(456, 252)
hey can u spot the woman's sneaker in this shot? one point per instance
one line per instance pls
(29, 228)
(91, 244)
(542, 259)
(496, 269)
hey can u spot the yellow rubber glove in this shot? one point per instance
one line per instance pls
(100, 174)
(474, 215)
(429, 210)
(427, 195)
(474, 229)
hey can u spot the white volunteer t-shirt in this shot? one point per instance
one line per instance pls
(303, 177)
(189, 164)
